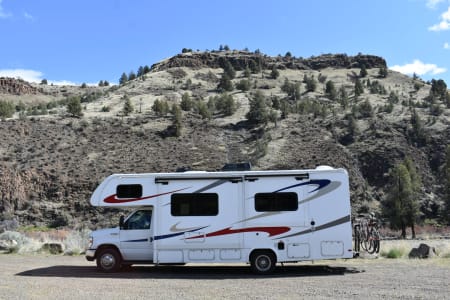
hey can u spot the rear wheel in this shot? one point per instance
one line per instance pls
(109, 260)
(263, 262)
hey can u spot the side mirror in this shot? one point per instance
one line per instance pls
(121, 221)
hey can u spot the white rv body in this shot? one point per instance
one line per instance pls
(218, 217)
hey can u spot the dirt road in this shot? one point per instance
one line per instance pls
(65, 277)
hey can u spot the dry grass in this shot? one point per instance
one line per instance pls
(401, 248)
(73, 242)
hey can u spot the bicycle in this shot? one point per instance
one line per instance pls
(366, 234)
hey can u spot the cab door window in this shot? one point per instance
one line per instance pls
(141, 219)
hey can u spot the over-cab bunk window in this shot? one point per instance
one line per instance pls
(194, 204)
(129, 191)
(276, 201)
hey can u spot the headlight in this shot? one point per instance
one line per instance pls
(91, 242)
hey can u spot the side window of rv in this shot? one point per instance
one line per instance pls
(194, 204)
(129, 191)
(276, 202)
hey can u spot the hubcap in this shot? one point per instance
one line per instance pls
(263, 263)
(108, 261)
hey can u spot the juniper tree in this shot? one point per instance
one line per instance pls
(176, 111)
(127, 106)
(274, 74)
(186, 102)
(6, 109)
(330, 90)
(258, 112)
(225, 84)
(401, 204)
(359, 88)
(74, 106)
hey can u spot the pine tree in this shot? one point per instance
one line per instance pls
(363, 71)
(229, 70)
(176, 111)
(131, 76)
(330, 90)
(417, 133)
(416, 185)
(225, 83)
(127, 106)
(359, 89)
(123, 79)
(225, 104)
(274, 74)
(311, 83)
(186, 102)
(258, 112)
(401, 204)
(382, 72)
(343, 97)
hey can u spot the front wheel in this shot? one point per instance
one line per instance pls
(263, 262)
(109, 260)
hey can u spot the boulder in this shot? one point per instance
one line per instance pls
(53, 248)
(8, 245)
(423, 251)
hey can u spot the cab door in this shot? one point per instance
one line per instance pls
(136, 239)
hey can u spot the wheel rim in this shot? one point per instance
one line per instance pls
(263, 263)
(108, 261)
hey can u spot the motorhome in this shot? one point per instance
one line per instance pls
(256, 217)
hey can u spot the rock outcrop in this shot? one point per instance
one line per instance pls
(242, 59)
(16, 86)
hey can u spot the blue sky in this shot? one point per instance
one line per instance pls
(87, 41)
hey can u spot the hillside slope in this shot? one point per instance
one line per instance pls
(50, 162)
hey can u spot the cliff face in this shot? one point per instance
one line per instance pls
(16, 87)
(241, 59)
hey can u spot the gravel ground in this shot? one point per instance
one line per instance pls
(65, 277)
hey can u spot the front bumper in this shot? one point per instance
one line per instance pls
(90, 254)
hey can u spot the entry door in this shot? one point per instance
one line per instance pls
(136, 239)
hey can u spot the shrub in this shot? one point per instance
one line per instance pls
(393, 253)
(16, 242)
(74, 106)
(6, 109)
(76, 241)
(243, 85)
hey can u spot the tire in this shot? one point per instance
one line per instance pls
(109, 260)
(263, 262)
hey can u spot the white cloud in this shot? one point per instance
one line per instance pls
(3, 13)
(446, 45)
(444, 24)
(27, 75)
(28, 16)
(62, 82)
(32, 76)
(433, 3)
(419, 68)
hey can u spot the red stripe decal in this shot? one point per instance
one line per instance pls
(113, 198)
(270, 230)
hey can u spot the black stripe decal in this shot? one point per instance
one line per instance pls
(321, 227)
(212, 185)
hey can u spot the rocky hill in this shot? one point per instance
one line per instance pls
(51, 162)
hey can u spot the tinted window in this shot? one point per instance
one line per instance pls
(276, 202)
(139, 220)
(195, 204)
(129, 191)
